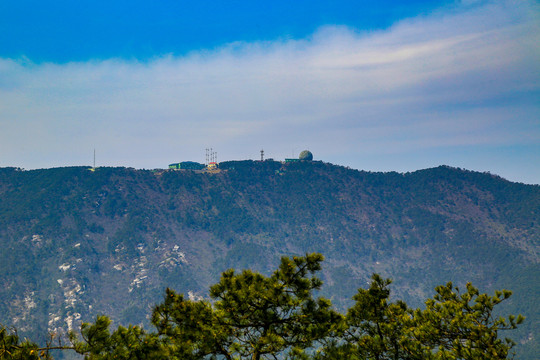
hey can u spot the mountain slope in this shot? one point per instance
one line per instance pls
(76, 243)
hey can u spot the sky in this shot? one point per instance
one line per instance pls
(372, 85)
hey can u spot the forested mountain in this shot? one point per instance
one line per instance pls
(76, 243)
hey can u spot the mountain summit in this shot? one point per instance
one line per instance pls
(76, 243)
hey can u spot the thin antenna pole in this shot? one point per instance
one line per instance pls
(94, 158)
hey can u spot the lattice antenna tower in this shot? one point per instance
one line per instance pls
(262, 155)
(211, 156)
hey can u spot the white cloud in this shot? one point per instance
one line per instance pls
(466, 76)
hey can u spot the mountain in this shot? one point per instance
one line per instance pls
(77, 241)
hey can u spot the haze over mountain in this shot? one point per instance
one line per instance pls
(76, 242)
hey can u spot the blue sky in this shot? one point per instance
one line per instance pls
(66, 30)
(381, 86)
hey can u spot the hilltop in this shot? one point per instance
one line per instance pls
(77, 243)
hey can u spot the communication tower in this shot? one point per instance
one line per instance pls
(211, 156)
(262, 155)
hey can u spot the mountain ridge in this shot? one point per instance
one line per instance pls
(72, 236)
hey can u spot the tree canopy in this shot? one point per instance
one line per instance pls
(252, 316)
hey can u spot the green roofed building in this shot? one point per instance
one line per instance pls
(186, 165)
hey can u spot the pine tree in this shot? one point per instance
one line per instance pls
(252, 316)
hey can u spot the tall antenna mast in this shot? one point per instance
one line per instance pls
(94, 158)
(262, 155)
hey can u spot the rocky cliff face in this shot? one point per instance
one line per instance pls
(76, 243)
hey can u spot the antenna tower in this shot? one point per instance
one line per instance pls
(211, 156)
(262, 155)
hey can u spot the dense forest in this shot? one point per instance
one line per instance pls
(78, 243)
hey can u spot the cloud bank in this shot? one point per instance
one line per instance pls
(459, 87)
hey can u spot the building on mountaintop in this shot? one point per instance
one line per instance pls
(305, 155)
(186, 165)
